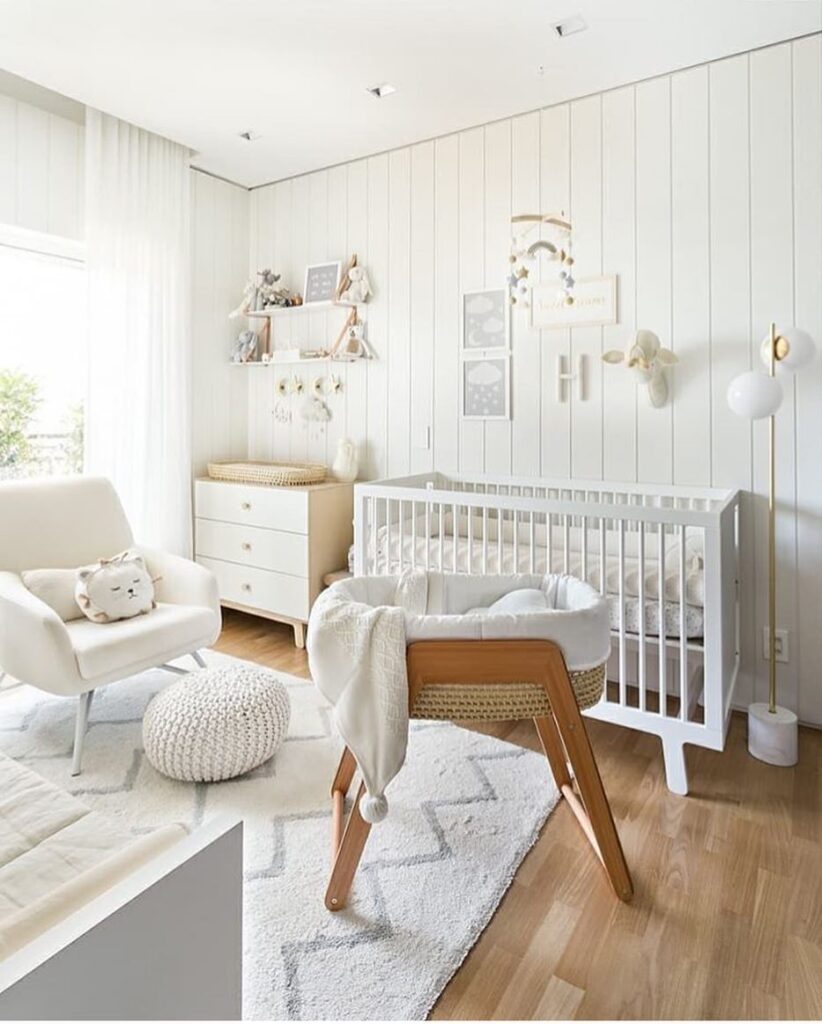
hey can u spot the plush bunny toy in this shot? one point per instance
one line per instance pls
(115, 588)
(359, 288)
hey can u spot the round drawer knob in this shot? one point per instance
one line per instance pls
(246, 586)
(246, 546)
(246, 506)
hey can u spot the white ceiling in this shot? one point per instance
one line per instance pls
(202, 71)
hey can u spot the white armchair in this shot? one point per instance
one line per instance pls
(65, 523)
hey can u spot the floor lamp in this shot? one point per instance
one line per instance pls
(772, 730)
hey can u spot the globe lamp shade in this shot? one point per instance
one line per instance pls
(754, 396)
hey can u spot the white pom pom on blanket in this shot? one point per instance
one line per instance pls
(373, 808)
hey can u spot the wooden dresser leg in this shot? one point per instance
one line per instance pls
(299, 635)
(348, 857)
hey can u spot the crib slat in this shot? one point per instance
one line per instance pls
(400, 527)
(623, 687)
(531, 542)
(566, 545)
(470, 510)
(428, 534)
(441, 525)
(484, 539)
(500, 538)
(683, 632)
(662, 630)
(455, 533)
(641, 598)
(516, 541)
(371, 567)
(584, 547)
(413, 535)
(602, 557)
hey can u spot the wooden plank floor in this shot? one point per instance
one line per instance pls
(727, 919)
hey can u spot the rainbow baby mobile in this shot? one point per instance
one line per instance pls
(524, 256)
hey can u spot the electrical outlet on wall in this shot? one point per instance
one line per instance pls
(781, 644)
(424, 438)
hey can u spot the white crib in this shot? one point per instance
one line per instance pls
(666, 559)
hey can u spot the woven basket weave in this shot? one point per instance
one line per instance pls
(502, 702)
(274, 474)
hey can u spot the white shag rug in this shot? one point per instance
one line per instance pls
(465, 810)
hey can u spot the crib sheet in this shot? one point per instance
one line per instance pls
(506, 556)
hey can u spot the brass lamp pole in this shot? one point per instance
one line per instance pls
(772, 730)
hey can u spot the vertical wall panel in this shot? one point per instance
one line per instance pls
(690, 245)
(653, 263)
(555, 162)
(221, 418)
(472, 269)
(497, 221)
(586, 342)
(378, 332)
(355, 398)
(399, 311)
(526, 369)
(619, 391)
(337, 248)
(422, 306)
(730, 314)
(772, 299)
(446, 368)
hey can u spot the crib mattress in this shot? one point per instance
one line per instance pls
(506, 557)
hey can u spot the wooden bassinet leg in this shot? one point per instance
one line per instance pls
(347, 844)
(595, 817)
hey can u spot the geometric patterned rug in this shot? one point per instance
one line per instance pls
(465, 809)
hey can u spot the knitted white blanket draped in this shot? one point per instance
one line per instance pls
(356, 653)
(359, 628)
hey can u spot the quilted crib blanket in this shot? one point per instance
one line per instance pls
(359, 629)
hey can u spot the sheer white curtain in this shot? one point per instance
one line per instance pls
(138, 413)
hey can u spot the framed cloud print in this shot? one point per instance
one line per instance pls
(485, 320)
(486, 387)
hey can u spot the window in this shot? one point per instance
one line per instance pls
(42, 355)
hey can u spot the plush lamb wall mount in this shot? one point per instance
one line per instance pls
(115, 588)
(647, 359)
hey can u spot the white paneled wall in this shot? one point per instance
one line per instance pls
(219, 270)
(702, 191)
(41, 170)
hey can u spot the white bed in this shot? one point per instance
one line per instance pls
(662, 556)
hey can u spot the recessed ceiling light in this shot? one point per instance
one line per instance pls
(250, 136)
(576, 23)
(380, 91)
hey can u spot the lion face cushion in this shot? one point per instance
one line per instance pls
(115, 588)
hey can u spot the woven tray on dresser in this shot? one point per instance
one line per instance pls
(275, 474)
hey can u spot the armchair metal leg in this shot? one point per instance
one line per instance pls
(198, 658)
(80, 727)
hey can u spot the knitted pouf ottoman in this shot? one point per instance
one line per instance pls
(216, 723)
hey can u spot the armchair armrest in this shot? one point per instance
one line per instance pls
(182, 581)
(34, 642)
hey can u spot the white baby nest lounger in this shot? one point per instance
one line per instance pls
(455, 647)
(665, 559)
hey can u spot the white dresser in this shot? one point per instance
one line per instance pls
(270, 547)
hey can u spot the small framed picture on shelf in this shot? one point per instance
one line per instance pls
(486, 387)
(485, 320)
(321, 280)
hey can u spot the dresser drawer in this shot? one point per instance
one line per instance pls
(269, 591)
(251, 545)
(275, 508)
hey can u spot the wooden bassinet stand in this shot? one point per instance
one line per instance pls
(497, 680)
